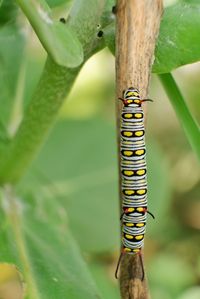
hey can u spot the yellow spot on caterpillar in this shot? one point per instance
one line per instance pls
(139, 133)
(128, 115)
(127, 133)
(139, 237)
(128, 172)
(127, 249)
(129, 236)
(141, 192)
(131, 210)
(140, 224)
(129, 101)
(128, 153)
(130, 93)
(129, 224)
(136, 101)
(129, 192)
(140, 209)
(136, 250)
(138, 115)
(141, 172)
(139, 152)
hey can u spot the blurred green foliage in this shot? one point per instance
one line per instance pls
(66, 206)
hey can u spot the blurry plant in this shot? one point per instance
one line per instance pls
(34, 232)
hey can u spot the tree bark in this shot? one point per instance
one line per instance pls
(138, 24)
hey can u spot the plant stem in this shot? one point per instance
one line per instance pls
(188, 123)
(52, 89)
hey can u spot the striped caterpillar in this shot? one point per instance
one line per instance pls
(133, 174)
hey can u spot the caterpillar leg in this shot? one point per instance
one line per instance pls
(119, 262)
(126, 102)
(152, 215)
(146, 100)
(122, 216)
(142, 265)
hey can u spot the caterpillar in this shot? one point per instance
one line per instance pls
(133, 174)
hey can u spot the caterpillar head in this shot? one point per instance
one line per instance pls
(132, 97)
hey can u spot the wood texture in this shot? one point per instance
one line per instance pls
(138, 24)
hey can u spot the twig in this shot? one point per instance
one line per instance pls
(137, 28)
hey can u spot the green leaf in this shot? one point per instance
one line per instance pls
(83, 175)
(35, 237)
(8, 12)
(54, 3)
(188, 123)
(179, 38)
(174, 47)
(59, 40)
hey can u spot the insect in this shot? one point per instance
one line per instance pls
(133, 174)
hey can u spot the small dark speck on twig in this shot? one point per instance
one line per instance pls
(62, 20)
(100, 33)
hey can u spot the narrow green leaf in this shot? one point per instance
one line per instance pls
(188, 123)
(58, 39)
(11, 56)
(36, 238)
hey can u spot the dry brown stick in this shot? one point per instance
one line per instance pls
(137, 28)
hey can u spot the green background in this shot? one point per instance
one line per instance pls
(67, 202)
